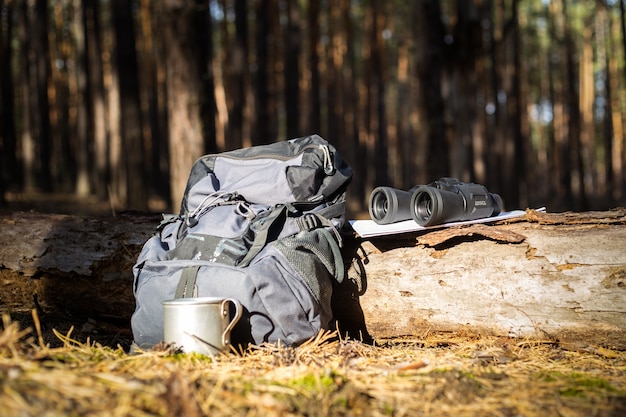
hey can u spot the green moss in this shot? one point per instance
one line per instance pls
(441, 370)
(468, 375)
(578, 384)
(189, 357)
(323, 382)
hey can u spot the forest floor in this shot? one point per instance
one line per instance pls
(81, 369)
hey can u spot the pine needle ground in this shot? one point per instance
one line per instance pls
(436, 374)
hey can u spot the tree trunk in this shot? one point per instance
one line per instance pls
(378, 126)
(348, 145)
(131, 126)
(617, 129)
(8, 139)
(314, 122)
(183, 61)
(622, 9)
(552, 276)
(430, 66)
(292, 40)
(203, 23)
(152, 100)
(574, 116)
(237, 72)
(517, 108)
(333, 73)
(27, 177)
(82, 102)
(604, 25)
(265, 81)
(38, 70)
(95, 104)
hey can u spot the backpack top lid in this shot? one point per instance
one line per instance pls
(303, 172)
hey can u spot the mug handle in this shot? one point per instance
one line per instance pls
(231, 324)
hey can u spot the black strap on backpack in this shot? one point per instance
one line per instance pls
(187, 285)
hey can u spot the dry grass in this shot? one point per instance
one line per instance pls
(438, 374)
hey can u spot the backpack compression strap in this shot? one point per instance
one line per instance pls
(187, 284)
(310, 221)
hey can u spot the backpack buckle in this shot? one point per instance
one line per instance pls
(309, 221)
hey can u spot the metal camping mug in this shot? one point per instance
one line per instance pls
(201, 325)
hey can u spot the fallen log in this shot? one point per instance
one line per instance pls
(551, 276)
(74, 264)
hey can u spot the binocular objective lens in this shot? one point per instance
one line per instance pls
(380, 206)
(424, 206)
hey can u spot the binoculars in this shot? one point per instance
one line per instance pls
(443, 201)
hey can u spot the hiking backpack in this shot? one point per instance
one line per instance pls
(260, 225)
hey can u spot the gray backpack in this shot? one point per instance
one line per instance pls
(259, 225)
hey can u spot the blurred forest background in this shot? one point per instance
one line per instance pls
(111, 101)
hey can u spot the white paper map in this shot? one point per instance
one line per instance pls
(369, 228)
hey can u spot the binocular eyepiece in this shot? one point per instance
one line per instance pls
(443, 201)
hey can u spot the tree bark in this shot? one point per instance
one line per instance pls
(185, 61)
(8, 138)
(430, 66)
(293, 41)
(131, 125)
(622, 9)
(95, 103)
(313, 59)
(265, 81)
(38, 71)
(237, 71)
(72, 264)
(82, 102)
(574, 117)
(550, 276)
